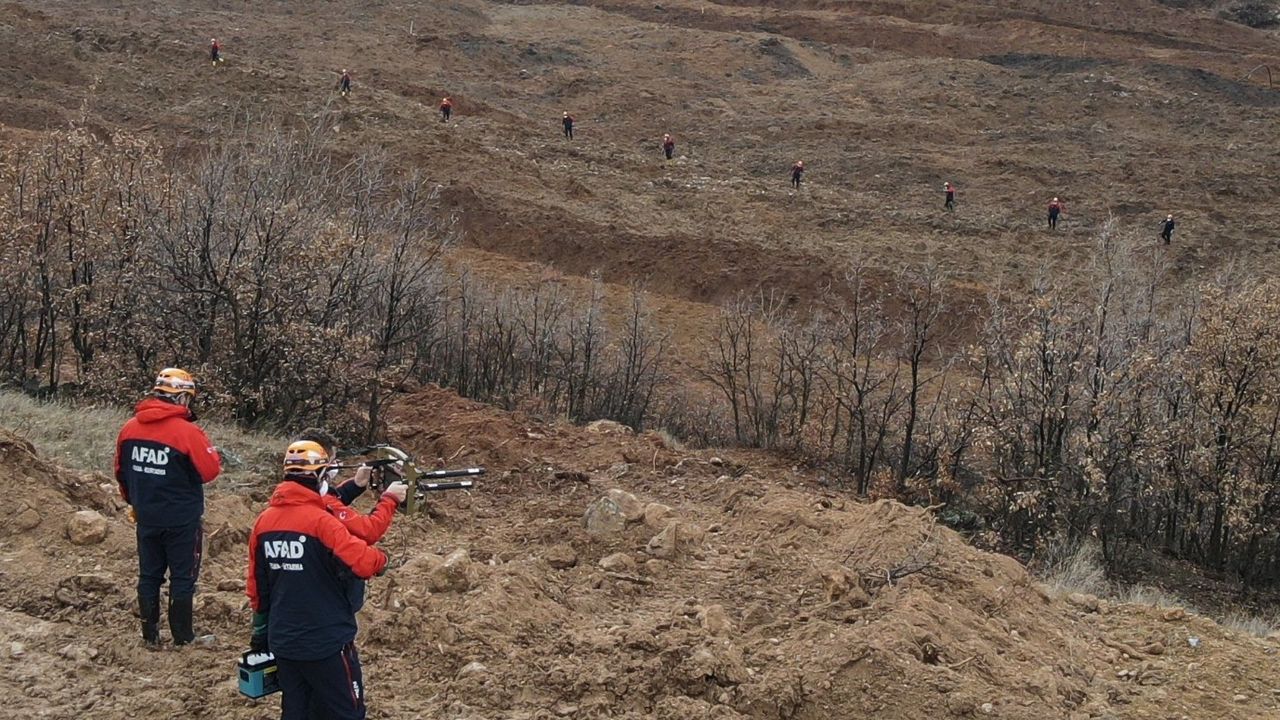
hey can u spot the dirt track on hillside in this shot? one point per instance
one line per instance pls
(1122, 111)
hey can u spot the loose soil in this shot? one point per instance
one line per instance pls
(756, 592)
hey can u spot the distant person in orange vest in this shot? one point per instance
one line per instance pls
(1055, 209)
(344, 83)
(797, 170)
(568, 125)
(446, 109)
(215, 51)
(668, 146)
(1166, 233)
(950, 190)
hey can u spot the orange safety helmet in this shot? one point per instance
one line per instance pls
(173, 382)
(305, 460)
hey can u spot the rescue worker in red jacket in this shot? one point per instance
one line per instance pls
(567, 121)
(446, 109)
(305, 584)
(163, 461)
(1055, 209)
(373, 526)
(344, 83)
(215, 51)
(950, 190)
(668, 146)
(797, 171)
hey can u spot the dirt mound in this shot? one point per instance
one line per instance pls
(599, 573)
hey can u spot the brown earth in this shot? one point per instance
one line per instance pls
(765, 595)
(758, 593)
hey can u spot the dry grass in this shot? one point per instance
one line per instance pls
(1067, 569)
(1079, 569)
(1264, 625)
(83, 438)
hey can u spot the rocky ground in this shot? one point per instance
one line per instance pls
(597, 573)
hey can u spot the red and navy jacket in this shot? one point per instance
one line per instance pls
(369, 528)
(163, 460)
(307, 572)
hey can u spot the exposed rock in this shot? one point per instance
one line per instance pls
(674, 538)
(656, 514)
(87, 527)
(632, 509)
(618, 562)
(561, 557)
(608, 427)
(78, 653)
(1083, 601)
(475, 667)
(604, 518)
(17, 649)
(1173, 615)
(454, 574)
(25, 519)
(231, 585)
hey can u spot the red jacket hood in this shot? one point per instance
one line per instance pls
(154, 410)
(292, 493)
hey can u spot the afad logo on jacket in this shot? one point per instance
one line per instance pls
(285, 550)
(154, 461)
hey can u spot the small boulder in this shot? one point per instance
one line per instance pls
(231, 585)
(561, 557)
(1083, 601)
(618, 562)
(475, 667)
(26, 518)
(674, 539)
(608, 427)
(454, 574)
(17, 649)
(604, 518)
(632, 509)
(87, 527)
(665, 544)
(656, 515)
(78, 653)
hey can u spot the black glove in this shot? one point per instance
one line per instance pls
(258, 643)
(258, 640)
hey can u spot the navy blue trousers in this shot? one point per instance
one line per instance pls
(328, 689)
(176, 550)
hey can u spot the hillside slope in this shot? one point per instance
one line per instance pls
(751, 593)
(1131, 110)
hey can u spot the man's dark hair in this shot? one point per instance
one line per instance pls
(321, 436)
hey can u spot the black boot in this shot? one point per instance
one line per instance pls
(180, 620)
(149, 611)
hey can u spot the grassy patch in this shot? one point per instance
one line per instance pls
(84, 438)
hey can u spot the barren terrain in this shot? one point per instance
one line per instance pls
(732, 587)
(1131, 110)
